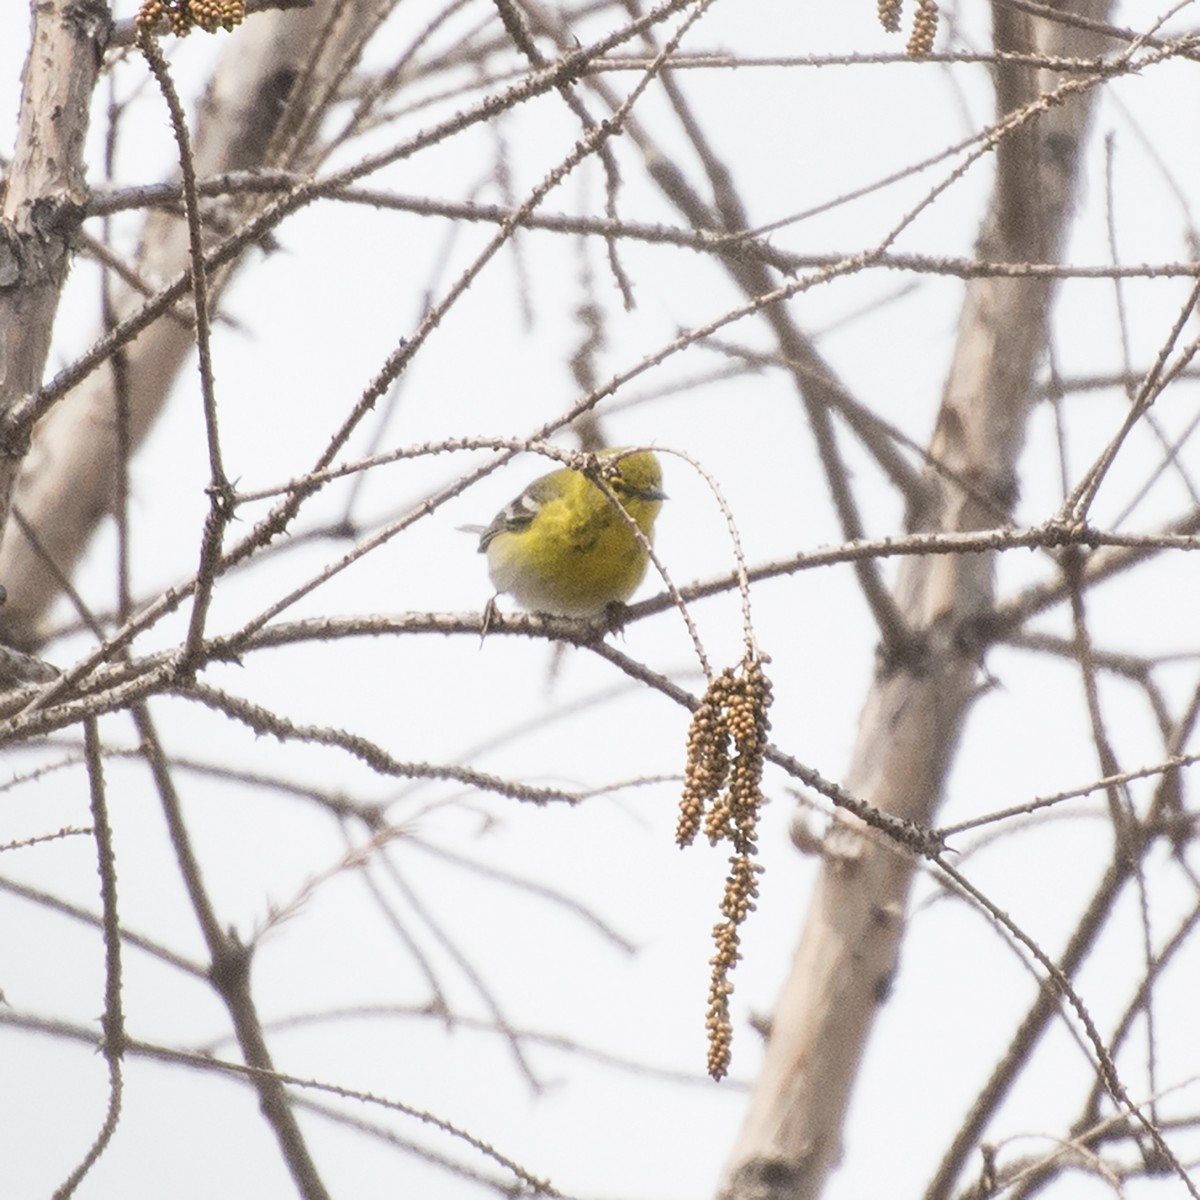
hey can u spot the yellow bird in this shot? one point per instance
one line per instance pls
(563, 548)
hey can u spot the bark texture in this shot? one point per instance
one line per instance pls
(42, 205)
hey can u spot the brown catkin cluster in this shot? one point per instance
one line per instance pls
(707, 759)
(889, 15)
(741, 888)
(925, 23)
(184, 15)
(723, 791)
(748, 727)
(717, 1024)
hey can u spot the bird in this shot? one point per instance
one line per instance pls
(563, 548)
